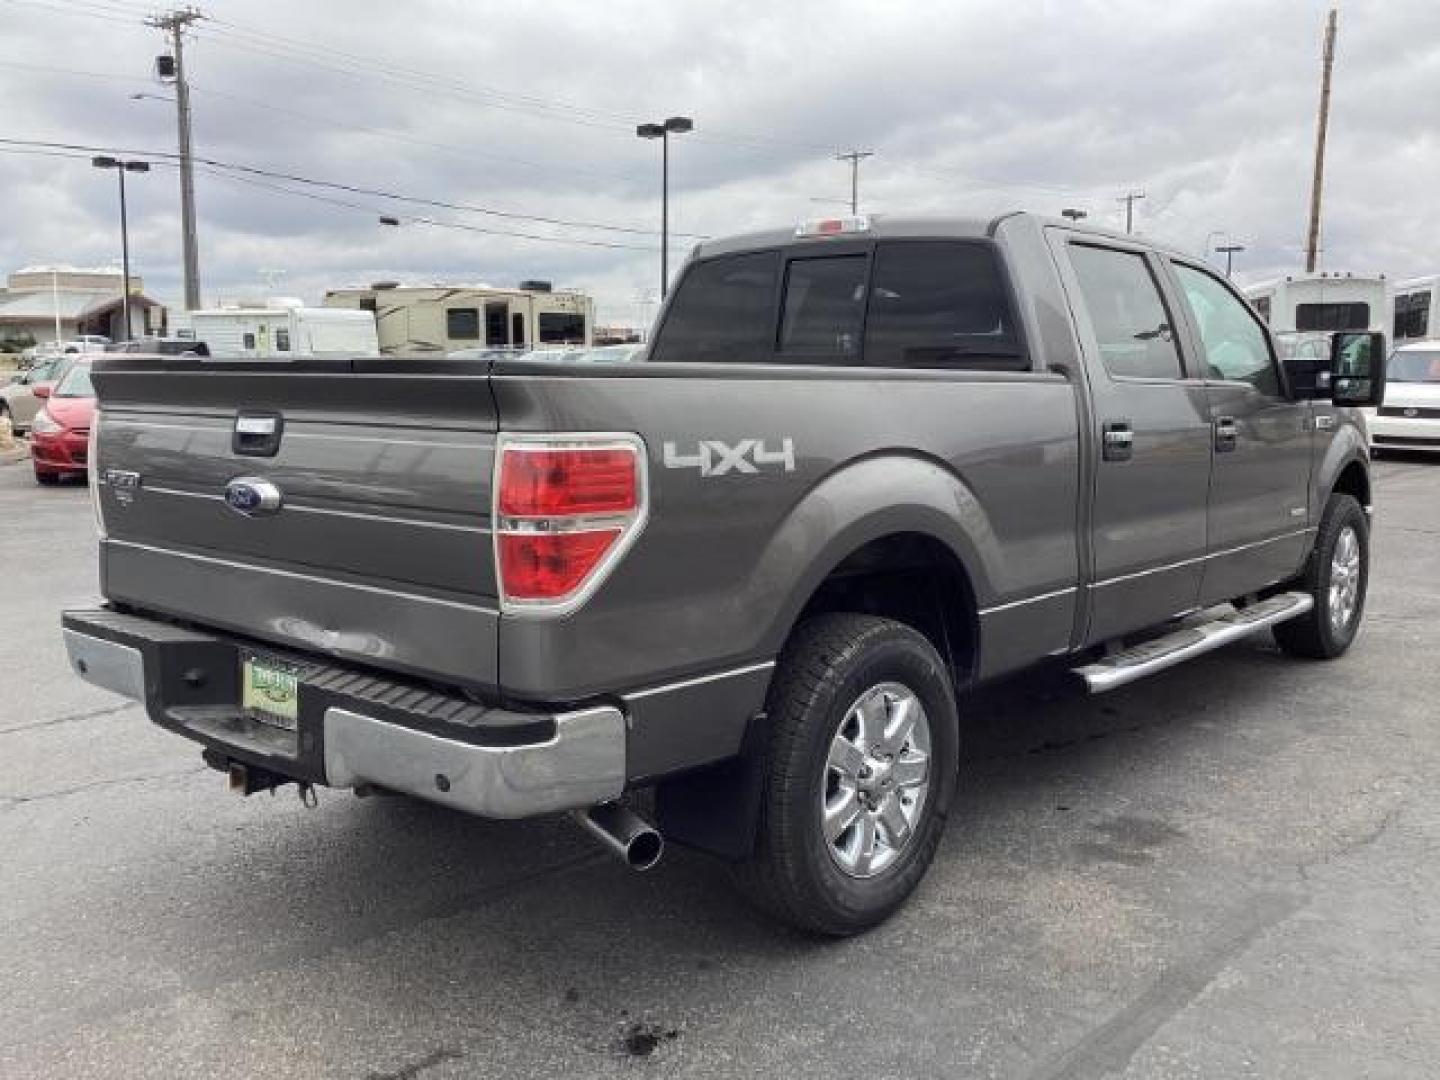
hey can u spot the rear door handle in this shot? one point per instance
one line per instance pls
(1226, 433)
(1117, 441)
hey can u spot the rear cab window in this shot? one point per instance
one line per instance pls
(891, 303)
(1134, 331)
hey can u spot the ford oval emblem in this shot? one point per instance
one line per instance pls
(252, 496)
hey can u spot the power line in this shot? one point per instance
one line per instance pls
(466, 154)
(353, 189)
(222, 171)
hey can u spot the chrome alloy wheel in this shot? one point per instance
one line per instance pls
(876, 779)
(1344, 578)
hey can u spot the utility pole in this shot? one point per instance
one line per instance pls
(1129, 201)
(1312, 241)
(854, 157)
(175, 24)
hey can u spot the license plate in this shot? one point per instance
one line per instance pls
(270, 691)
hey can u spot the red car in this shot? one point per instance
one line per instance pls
(60, 433)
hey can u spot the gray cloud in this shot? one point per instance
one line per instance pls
(976, 106)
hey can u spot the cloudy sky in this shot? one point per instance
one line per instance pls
(528, 109)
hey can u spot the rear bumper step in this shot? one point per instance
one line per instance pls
(354, 728)
(1191, 641)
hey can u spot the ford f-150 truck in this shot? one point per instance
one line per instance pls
(864, 465)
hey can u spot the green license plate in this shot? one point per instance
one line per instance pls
(270, 691)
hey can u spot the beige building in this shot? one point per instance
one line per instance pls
(444, 318)
(86, 301)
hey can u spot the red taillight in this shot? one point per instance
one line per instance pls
(550, 483)
(546, 566)
(565, 508)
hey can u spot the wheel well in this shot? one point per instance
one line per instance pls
(1353, 481)
(915, 579)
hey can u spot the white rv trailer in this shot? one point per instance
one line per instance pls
(448, 318)
(279, 328)
(1323, 302)
(1415, 301)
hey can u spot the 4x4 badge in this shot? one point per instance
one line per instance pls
(715, 458)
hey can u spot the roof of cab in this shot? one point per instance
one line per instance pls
(881, 226)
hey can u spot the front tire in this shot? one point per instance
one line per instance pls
(861, 771)
(1336, 576)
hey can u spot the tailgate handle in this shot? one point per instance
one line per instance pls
(257, 434)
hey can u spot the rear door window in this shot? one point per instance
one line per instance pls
(824, 307)
(723, 312)
(940, 304)
(1132, 328)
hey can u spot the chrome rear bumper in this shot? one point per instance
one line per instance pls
(497, 763)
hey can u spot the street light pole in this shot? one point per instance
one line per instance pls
(1229, 250)
(121, 168)
(662, 131)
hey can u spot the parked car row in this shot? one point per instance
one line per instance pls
(60, 434)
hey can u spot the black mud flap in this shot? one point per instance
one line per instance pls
(717, 809)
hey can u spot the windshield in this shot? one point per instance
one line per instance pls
(76, 383)
(1414, 366)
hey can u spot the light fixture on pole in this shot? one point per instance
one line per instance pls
(104, 161)
(675, 125)
(1229, 250)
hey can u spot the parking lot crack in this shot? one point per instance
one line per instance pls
(70, 718)
(1109, 1048)
(12, 801)
(1368, 839)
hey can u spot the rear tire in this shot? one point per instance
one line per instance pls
(1336, 576)
(860, 773)
(49, 479)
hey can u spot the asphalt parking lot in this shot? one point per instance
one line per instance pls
(1229, 870)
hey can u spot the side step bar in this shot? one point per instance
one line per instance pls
(1128, 665)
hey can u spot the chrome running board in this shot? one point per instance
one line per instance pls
(1126, 666)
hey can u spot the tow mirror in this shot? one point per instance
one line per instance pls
(1357, 368)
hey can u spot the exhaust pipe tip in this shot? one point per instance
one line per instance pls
(644, 850)
(624, 834)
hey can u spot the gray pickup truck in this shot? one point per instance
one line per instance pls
(864, 466)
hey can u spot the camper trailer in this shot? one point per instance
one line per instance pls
(279, 328)
(448, 318)
(1308, 303)
(1415, 300)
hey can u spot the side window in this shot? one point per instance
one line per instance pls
(1262, 305)
(497, 323)
(824, 305)
(462, 323)
(1412, 315)
(562, 328)
(248, 340)
(1235, 345)
(940, 304)
(1136, 337)
(721, 312)
(282, 340)
(1332, 316)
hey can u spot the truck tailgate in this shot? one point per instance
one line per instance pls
(380, 548)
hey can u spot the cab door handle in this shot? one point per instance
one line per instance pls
(1226, 433)
(1117, 441)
